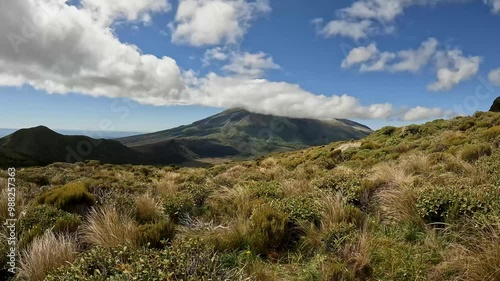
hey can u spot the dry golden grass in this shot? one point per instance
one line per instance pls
(236, 201)
(44, 254)
(166, 186)
(105, 227)
(416, 164)
(4, 202)
(479, 260)
(148, 208)
(296, 187)
(391, 174)
(398, 204)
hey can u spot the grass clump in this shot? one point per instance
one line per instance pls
(45, 254)
(105, 227)
(472, 153)
(70, 197)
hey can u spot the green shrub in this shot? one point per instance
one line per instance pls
(299, 209)
(40, 218)
(179, 205)
(267, 190)
(441, 204)
(188, 259)
(70, 197)
(492, 133)
(472, 153)
(155, 235)
(270, 230)
(337, 236)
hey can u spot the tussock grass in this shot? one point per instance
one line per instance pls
(45, 254)
(398, 204)
(148, 208)
(107, 228)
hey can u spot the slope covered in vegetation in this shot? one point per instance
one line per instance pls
(410, 203)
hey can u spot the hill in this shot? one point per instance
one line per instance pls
(42, 146)
(495, 107)
(419, 202)
(237, 132)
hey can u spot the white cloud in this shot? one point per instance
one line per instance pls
(355, 30)
(495, 5)
(371, 59)
(414, 60)
(359, 55)
(494, 77)
(212, 22)
(217, 53)
(280, 98)
(454, 68)
(67, 50)
(59, 48)
(367, 17)
(379, 64)
(424, 113)
(250, 65)
(107, 11)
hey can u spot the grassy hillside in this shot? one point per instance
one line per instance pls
(411, 203)
(237, 132)
(41, 146)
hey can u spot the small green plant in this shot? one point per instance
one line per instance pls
(472, 153)
(156, 234)
(70, 197)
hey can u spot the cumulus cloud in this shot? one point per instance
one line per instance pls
(354, 29)
(213, 22)
(108, 11)
(359, 55)
(424, 113)
(494, 77)
(371, 59)
(217, 54)
(452, 68)
(250, 65)
(58, 48)
(495, 5)
(369, 17)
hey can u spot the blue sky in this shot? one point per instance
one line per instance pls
(274, 57)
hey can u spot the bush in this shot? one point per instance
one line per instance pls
(492, 133)
(441, 204)
(270, 230)
(71, 197)
(46, 254)
(179, 206)
(41, 218)
(188, 259)
(155, 235)
(299, 209)
(473, 152)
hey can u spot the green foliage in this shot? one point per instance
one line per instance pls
(299, 209)
(155, 235)
(472, 153)
(441, 204)
(179, 205)
(270, 230)
(68, 197)
(188, 260)
(337, 236)
(266, 190)
(40, 218)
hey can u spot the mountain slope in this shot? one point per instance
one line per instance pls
(239, 132)
(495, 107)
(42, 146)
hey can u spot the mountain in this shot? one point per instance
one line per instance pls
(238, 132)
(496, 105)
(42, 146)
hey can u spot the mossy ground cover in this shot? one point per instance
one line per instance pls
(409, 203)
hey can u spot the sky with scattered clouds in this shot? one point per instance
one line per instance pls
(149, 65)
